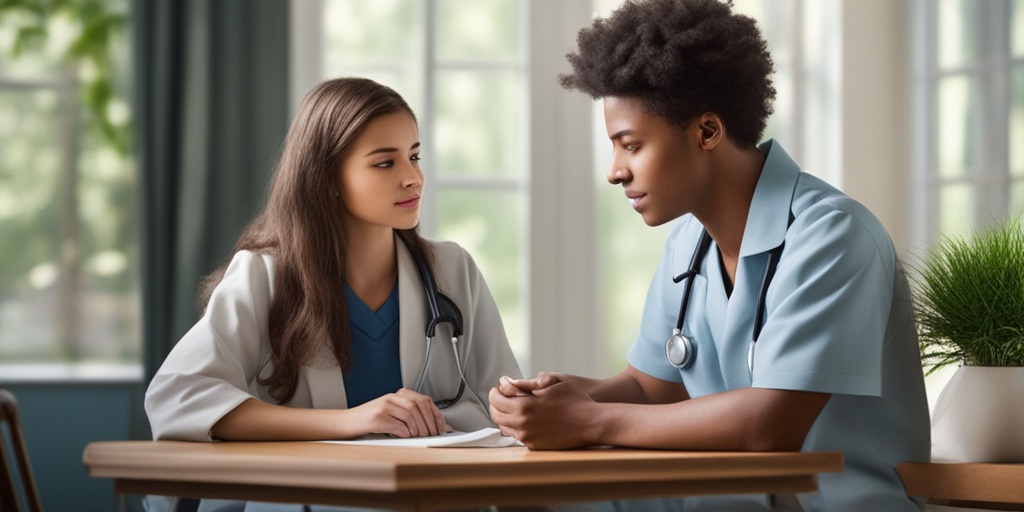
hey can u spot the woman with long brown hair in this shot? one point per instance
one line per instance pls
(300, 337)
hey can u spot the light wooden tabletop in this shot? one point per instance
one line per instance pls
(436, 478)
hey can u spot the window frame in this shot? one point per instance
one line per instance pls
(69, 367)
(992, 178)
(68, 285)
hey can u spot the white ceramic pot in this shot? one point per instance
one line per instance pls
(979, 416)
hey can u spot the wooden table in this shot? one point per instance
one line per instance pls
(970, 485)
(440, 478)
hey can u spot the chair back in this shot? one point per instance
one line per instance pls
(19, 465)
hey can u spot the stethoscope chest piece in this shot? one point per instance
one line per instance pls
(679, 350)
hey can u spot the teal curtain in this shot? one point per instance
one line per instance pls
(211, 112)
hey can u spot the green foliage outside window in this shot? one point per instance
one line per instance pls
(68, 278)
(89, 54)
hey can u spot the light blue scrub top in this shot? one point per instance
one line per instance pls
(839, 321)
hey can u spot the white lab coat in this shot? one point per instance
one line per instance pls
(216, 365)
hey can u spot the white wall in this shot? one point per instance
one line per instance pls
(876, 112)
(878, 125)
(562, 241)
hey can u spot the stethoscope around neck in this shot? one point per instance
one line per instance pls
(681, 350)
(441, 309)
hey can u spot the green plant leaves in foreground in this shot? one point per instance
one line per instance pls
(969, 300)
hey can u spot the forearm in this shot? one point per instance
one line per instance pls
(748, 420)
(255, 420)
(634, 387)
(697, 426)
(629, 386)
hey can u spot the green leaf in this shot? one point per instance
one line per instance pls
(99, 24)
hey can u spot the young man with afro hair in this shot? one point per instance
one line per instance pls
(759, 251)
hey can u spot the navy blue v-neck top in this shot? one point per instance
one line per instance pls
(374, 368)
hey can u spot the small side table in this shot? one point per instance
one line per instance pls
(971, 485)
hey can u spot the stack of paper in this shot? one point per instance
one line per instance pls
(483, 438)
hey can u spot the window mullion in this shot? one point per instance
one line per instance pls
(429, 215)
(69, 305)
(998, 166)
(927, 85)
(799, 73)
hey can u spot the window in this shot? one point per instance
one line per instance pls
(69, 278)
(969, 90)
(462, 67)
(972, 85)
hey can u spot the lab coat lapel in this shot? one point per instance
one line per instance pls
(412, 316)
(326, 383)
(326, 386)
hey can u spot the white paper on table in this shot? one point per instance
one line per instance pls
(483, 438)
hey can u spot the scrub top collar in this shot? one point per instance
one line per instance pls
(768, 219)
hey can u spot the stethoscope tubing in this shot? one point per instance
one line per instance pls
(435, 316)
(695, 261)
(688, 348)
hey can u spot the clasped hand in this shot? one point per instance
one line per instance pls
(549, 412)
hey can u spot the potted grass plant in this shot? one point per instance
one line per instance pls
(969, 301)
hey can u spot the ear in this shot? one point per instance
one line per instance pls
(711, 130)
